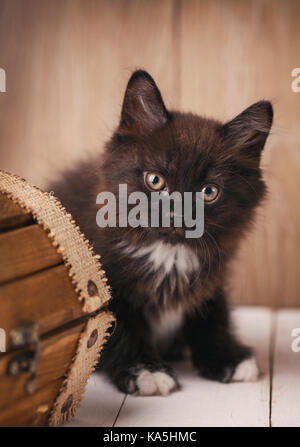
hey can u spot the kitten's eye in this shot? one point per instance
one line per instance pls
(155, 181)
(210, 192)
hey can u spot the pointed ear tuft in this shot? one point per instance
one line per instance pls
(249, 130)
(143, 109)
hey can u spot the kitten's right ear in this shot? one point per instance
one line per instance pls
(143, 109)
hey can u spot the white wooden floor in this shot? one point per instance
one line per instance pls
(273, 400)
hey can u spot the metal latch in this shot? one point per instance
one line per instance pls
(25, 336)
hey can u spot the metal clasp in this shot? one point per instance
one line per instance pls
(25, 336)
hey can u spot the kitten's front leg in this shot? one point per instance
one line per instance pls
(134, 366)
(216, 353)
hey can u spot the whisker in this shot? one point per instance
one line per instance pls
(218, 248)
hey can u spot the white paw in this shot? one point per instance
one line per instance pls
(154, 383)
(246, 371)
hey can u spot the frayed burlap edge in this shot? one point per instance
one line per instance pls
(83, 365)
(84, 270)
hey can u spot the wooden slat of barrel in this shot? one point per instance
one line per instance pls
(56, 355)
(34, 286)
(25, 250)
(32, 410)
(12, 215)
(47, 297)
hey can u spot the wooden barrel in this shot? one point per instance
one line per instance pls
(45, 329)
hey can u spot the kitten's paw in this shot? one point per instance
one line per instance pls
(149, 383)
(230, 371)
(246, 371)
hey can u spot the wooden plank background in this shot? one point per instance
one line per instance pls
(67, 64)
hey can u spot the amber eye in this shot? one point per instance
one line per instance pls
(210, 192)
(155, 181)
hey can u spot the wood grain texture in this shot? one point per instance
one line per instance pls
(46, 297)
(214, 57)
(24, 251)
(11, 215)
(21, 414)
(56, 355)
(65, 86)
(233, 54)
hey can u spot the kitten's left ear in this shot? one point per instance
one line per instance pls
(143, 109)
(249, 130)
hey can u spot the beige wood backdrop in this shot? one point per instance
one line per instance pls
(67, 63)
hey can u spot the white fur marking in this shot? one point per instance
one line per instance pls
(167, 323)
(157, 383)
(166, 256)
(246, 371)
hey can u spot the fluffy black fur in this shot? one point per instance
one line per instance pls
(189, 151)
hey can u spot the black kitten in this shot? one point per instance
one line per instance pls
(168, 290)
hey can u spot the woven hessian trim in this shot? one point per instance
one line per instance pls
(84, 363)
(83, 268)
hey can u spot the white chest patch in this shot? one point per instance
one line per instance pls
(166, 324)
(166, 256)
(162, 258)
